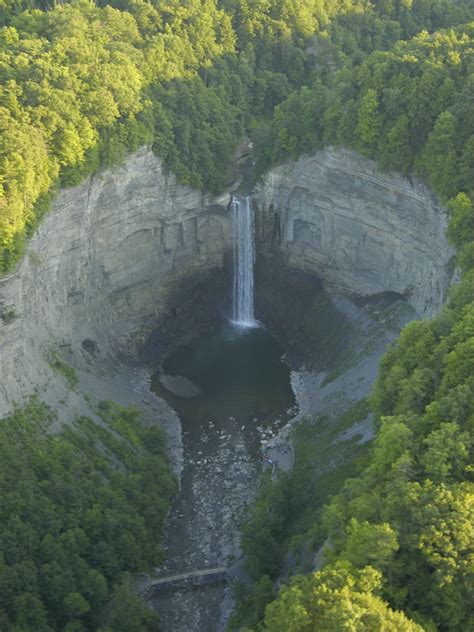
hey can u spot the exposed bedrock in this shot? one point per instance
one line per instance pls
(120, 254)
(130, 252)
(335, 215)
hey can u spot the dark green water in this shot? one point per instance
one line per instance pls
(242, 379)
(244, 396)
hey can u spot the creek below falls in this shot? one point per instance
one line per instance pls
(232, 391)
(235, 388)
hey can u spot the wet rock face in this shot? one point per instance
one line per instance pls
(116, 257)
(334, 214)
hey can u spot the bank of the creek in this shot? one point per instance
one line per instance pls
(130, 264)
(237, 392)
(232, 394)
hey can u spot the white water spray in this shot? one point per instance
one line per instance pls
(244, 258)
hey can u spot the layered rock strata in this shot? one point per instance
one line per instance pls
(116, 254)
(336, 215)
(130, 251)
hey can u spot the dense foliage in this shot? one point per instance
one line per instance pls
(70, 73)
(79, 509)
(410, 108)
(287, 512)
(80, 86)
(409, 515)
(334, 599)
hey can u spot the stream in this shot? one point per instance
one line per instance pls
(232, 392)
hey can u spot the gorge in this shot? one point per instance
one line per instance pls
(130, 265)
(132, 239)
(236, 315)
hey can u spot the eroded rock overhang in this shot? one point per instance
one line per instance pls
(336, 215)
(103, 269)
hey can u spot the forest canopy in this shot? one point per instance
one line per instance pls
(83, 84)
(70, 73)
(80, 510)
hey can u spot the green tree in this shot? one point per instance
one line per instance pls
(461, 220)
(369, 544)
(439, 159)
(466, 166)
(369, 123)
(396, 151)
(129, 612)
(336, 598)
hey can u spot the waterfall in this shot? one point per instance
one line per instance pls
(244, 257)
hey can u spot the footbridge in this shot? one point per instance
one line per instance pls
(203, 577)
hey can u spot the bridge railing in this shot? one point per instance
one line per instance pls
(218, 572)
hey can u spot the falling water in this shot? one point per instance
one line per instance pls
(244, 257)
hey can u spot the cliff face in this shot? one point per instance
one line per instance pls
(127, 251)
(362, 231)
(103, 266)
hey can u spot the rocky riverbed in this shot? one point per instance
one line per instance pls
(203, 527)
(244, 399)
(224, 455)
(203, 530)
